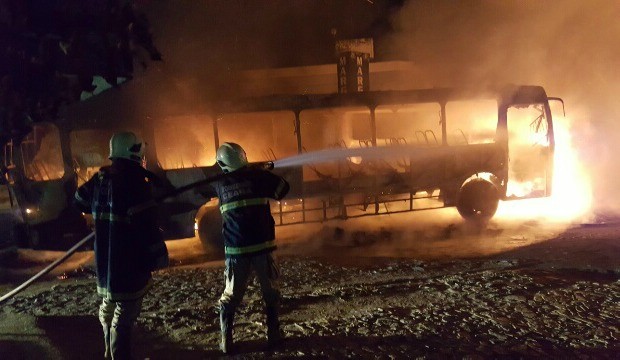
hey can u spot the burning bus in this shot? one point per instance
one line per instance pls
(345, 155)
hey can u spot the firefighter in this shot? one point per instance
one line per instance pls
(249, 236)
(127, 249)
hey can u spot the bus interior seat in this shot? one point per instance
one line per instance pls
(460, 132)
(318, 173)
(399, 141)
(432, 133)
(354, 169)
(426, 138)
(378, 165)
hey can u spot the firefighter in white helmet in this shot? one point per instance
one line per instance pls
(249, 236)
(127, 248)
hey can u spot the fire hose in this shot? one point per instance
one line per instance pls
(49, 268)
(136, 209)
(268, 165)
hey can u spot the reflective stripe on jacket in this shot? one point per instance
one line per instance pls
(230, 250)
(242, 203)
(247, 224)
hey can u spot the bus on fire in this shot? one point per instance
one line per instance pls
(472, 147)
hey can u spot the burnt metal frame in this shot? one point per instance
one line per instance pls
(505, 96)
(83, 117)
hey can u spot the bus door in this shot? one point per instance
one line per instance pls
(530, 151)
(43, 170)
(44, 189)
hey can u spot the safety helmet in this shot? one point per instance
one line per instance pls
(127, 145)
(230, 157)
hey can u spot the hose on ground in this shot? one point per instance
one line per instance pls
(47, 269)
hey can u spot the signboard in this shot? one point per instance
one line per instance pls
(353, 65)
(353, 72)
(364, 46)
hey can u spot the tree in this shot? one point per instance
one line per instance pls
(51, 52)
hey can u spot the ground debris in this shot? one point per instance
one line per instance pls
(473, 309)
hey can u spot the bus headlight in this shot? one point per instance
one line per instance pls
(32, 212)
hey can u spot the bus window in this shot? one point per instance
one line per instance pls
(41, 153)
(334, 128)
(528, 150)
(471, 122)
(185, 141)
(413, 124)
(90, 149)
(263, 135)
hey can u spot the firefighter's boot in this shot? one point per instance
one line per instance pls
(226, 329)
(120, 343)
(274, 335)
(106, 342)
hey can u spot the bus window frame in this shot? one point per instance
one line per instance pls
(57, 132)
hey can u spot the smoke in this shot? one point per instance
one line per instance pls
(570, 47)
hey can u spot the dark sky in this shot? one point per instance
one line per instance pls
(260, 34)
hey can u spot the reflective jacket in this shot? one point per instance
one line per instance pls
(127, 248)
(247, 225)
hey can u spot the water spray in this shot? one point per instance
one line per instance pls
(375, 152)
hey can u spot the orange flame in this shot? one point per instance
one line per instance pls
(571, 199)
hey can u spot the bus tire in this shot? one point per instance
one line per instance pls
(210, 231)
(477, 200)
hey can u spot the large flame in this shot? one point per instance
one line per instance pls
(571, 199)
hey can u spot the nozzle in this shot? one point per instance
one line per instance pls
(265, 165)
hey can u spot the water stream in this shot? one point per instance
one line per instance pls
(365, 153)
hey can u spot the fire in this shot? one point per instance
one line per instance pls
(571, 198)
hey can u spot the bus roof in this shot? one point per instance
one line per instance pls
(99, 113)
(509, 94)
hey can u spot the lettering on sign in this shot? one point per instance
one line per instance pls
(353, 72)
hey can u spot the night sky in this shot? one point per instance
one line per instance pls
(51, 49)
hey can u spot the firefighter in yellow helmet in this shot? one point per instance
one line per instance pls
(127, 248)
(249, 236)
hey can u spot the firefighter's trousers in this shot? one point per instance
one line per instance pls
(237, 273)
(117, 319)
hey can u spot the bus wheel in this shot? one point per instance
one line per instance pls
(477, 200)
(210, 231)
